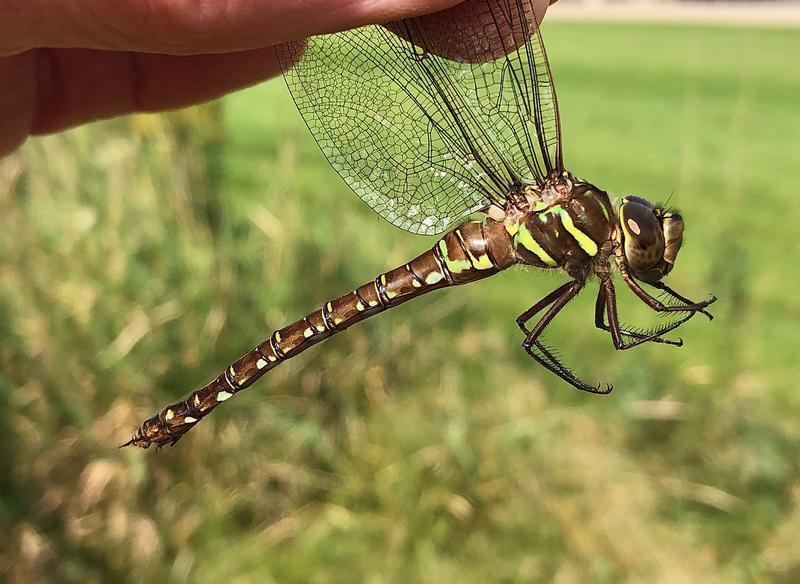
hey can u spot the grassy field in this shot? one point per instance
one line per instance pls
(138, 257)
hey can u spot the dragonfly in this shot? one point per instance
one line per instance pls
(450, 126)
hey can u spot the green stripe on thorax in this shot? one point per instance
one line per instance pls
(602, 203)
(587, 243)
(525, 238)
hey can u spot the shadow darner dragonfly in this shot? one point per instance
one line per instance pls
(433, 119)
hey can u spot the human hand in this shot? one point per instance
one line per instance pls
(110, 58)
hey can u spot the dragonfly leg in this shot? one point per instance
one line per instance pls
(659, 306)
(600, 321)
(607, 302)
(523, 318)
(664, 288)
(541, 354)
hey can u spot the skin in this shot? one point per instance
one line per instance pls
(67, 63)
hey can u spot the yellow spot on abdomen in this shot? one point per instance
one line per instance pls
(433, 278)
(223, 395)
(481, 262)
(455, 266)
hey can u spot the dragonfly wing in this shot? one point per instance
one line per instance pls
(429, 120)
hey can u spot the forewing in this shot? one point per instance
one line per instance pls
(428, 120)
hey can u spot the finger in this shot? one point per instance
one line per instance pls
(182, 27)
(78, 85)
(450, 33)
(18, 82)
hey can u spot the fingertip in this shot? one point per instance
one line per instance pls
(450, 32)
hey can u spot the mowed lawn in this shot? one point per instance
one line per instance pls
(139, 257)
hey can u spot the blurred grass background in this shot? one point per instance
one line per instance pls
(140, 256)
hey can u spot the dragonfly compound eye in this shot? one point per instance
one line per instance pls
(643, 236)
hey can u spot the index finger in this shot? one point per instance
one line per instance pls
(180, 27)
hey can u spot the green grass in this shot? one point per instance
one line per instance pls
(138, 257)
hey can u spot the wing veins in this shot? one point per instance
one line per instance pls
(421, 139)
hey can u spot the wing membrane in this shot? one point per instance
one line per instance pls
(429, 120)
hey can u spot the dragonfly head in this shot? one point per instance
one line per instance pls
(651, 238)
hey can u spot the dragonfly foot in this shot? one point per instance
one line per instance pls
(712, 299)
(598, 389)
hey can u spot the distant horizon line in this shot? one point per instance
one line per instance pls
(772, 13)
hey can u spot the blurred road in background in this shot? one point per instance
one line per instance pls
(781, 14)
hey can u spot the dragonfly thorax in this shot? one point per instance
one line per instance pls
(565, 224)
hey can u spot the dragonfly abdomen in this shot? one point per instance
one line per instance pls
(470, 252)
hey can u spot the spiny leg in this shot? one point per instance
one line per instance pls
(553, 364)
(664, 288)
(659, 306)
(642, 337)
(523, 318)
(563, 371)
(558, 299)
(613, 320)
